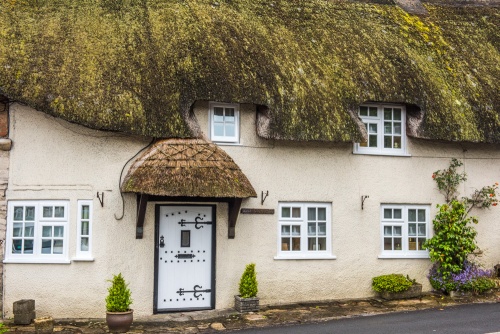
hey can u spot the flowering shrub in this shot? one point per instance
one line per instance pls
(454, 241)
(470, 279)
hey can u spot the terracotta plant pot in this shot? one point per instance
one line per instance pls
(119, 322)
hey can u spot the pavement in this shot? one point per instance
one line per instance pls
(214, 321)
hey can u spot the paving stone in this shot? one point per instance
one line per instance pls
(255, 317)
(217, 326)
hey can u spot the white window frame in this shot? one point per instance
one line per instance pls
(403, 222)
(39, 222)
(225, 139)
(379, 120)
(80, 254)
(302, 221)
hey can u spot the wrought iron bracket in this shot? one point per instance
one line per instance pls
(196, 293)
(196, 222)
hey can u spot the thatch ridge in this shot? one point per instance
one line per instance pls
(187, 167)
(139, 65)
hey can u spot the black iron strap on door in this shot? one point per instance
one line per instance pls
(196, 223)
(196, 293)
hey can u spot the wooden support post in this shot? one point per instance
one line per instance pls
(233, 207)
(142, 201)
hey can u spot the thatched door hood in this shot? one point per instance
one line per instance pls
(187, 168)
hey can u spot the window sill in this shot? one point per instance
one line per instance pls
(403, 256)
(222, 143)
(383, 154)
(82, 259)
(305, 257)
(38, 261)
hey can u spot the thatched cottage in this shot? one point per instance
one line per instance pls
(177, 141)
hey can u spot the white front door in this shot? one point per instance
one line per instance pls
(184, 258)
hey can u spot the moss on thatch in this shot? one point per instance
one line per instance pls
(187, 167)
(138, 65)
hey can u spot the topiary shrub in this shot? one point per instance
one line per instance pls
(391, 283)
(248, 282)
(119, 295)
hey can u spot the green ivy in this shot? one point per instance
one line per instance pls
(391, 283)
(248, 282)
(119, 295)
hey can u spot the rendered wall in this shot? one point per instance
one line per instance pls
(52, 159)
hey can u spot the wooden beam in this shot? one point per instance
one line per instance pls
(142, 202)
(233, 209)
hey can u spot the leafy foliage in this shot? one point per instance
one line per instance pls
(248, 282)
(454, 242)
(3, 328)
(392, 283)
(119, 295)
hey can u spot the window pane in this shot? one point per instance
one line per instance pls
(397, 244)
(285, 244)
(412, 229)
(230, 130)
(421, 215)
(363, 111)
(47, 211)
(229, 115)
(387, 113)
(387, 141)
(296, 244)
(295, 212)
(218, 114)
(47, 231)
(397, 213)
(311, 244)
(17, 245)
(397, 231)
(28, 246)
(397, 114)
(388, 230)
(412, 244)
(322, 244)
(295, 230)
(387, 128)
(311, 213)
(58, 231)
(397, 142)
(18, 213)
(372, 141)
(218, 129)
(412, 215)
(321, 213)
(421, 243)
(85, 228)
(18, 228)
(285, 230)
(84, 245)
(373, 112)
(59, 211)
(372, 128)
(29, 230)
(421, 229)
(46, 246)
(388, 213)
(311, 228)
(85, 212)
(397, 128)
(387, 243)
(285, 212)
(58, 246)
(321, 228)
(30, 213)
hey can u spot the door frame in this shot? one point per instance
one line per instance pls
(156, 256)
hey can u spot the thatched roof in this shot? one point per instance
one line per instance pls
(187, 167)
(139, 65)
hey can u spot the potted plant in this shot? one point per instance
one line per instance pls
(119, 316)
(247, 300)
(396, 286)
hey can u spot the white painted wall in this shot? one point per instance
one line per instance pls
(53, 159)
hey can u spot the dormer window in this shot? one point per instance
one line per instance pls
(386, 129)
(224, 123)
